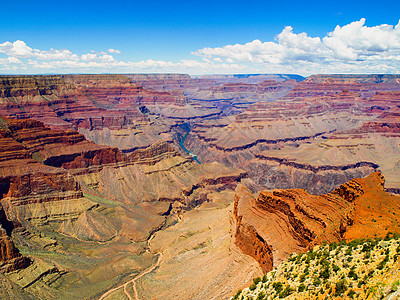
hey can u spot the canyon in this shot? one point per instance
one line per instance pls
(170, 186)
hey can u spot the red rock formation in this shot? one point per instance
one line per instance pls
(79, 101)
(276, 223)
(10, 258)
(58, 148)
(153, 153)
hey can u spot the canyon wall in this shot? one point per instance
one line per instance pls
(273, 224)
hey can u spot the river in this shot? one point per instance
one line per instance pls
(181, 143)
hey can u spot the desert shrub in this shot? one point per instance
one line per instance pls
(367, 247)
(352, 274)
(361, 283)
(256, 280)
(351, 294)
(253, 287)
(324, 273)
(286, 292)
(370, 273)
(335, 268)
(260, 296)
(312, 255)
(264, 279)
(316, 281)
(341, 287)
(292, 257)
(332, 246)
(383, 263)
(278, 286)
(306, 270)
(301, 287)
(395, 286)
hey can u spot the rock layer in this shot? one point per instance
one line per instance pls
(274, 224)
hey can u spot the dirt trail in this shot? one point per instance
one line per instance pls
(133, 281)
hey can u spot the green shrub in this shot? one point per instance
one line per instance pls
(351, 294)
(335, 268)
(264, 279)
(256, 280)
(260, 296)
(353, 274)
(286, 292)
(332, 246)
(301, 287)
(361, 283)
(341, 287)
(383, 263)
(395, 286)
(316, 281)
(253, 287)
(370, 273)
(278, 286)
(306, 270)
(324, 273)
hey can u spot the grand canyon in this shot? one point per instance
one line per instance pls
(170, 186)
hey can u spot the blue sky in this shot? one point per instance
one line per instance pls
(197, 37)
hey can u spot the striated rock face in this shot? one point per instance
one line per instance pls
(324, 132)
(366, 85)
(33, 173)
(30, 86)
(153, 154)
(79, 101)
(274, 224)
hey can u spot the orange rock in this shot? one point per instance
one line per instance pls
(276, 223)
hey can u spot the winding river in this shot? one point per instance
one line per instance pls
(181, 143)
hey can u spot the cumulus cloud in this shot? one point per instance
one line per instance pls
(19, 49)
(114, 51)
(352, 48)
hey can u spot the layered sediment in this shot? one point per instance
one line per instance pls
(273, 224)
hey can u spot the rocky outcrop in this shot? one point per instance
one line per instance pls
(279, 222)
(153, 154)
(10, 258)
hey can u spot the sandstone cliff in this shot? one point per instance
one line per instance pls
(276, 223)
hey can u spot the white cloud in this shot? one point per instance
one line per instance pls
(114, 51)
(16, 49)
(353, 48)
